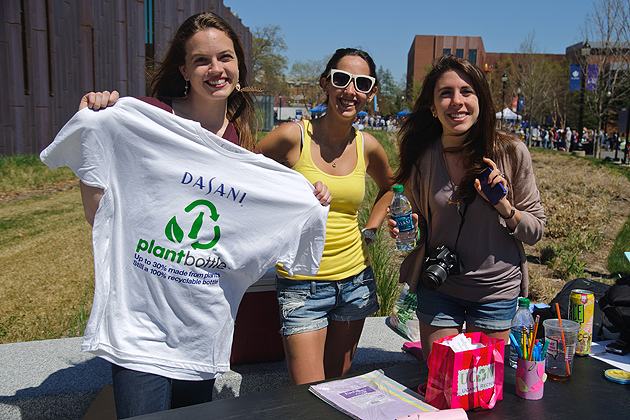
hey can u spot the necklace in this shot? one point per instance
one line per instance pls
(453, 186)
(338, 151)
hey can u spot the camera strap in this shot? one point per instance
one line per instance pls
(462, 214)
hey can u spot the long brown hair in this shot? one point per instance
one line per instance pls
(420, 129)
(167, 81)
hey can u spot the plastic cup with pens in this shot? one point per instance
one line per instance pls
(530, 365)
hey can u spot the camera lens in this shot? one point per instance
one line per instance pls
(434, 276)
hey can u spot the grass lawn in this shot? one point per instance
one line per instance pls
(46, 267)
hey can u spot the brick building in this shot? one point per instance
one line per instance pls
(425, 48)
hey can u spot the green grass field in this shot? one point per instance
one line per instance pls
(46, 268)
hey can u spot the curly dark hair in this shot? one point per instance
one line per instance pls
(420, 129)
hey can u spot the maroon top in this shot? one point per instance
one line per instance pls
(230, 133)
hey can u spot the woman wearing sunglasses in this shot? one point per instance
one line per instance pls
(323, 316)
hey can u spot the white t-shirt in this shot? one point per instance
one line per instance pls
(188, 221)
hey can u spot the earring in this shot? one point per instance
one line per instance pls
(186, 89)
(238, 87)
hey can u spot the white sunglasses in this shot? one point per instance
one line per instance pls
(341, 79)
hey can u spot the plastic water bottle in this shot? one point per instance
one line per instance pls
(401, 213)
(523, 318)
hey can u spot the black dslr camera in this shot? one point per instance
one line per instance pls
(440, 263)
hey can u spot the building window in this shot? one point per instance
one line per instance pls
(459, 53)
(148, 24)
(149, 42)
(27, 88)
(472, 56)
(51, 90)
(446, 51)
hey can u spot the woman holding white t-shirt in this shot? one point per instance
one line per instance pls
(202, 78)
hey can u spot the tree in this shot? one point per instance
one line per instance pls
(606, 31)
(537, 78)
(412, 92)
(558, 97)
(390, 93)
(305, 76)
(268, 64)
(500, 98)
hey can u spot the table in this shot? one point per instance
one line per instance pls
(588, 395)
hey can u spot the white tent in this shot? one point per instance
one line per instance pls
(508, 114)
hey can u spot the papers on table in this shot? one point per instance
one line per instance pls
(598, 351)
(372, 396)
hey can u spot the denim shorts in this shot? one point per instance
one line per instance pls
(441, 310)
(307, 305)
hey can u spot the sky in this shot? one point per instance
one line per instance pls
(386, 28)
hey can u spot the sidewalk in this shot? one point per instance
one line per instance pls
(52, 379)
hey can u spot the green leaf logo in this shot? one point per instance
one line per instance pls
(173, 232)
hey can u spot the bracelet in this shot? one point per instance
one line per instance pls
(511, 214)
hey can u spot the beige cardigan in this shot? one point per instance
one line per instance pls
(522, 193)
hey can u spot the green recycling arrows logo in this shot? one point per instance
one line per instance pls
(176, 234)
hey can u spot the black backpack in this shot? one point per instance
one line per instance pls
(615, 304)
(562, 298)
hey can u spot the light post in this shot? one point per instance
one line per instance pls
(518, 104)
(279, 108)
(597, 144)
(504, 79)
(585, 51)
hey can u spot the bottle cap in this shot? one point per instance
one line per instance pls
(523, 302)
(398, 188)
(617, 375)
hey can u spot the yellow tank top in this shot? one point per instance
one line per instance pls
(345, 253)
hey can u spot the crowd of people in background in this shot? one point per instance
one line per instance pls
(377, 123)
(566, 139)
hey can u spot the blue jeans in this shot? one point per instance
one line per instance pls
(138, 393)
(308, 305)
(441, 310)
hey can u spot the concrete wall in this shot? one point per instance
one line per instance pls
(52, 379)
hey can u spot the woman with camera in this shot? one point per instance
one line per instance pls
(475, 196)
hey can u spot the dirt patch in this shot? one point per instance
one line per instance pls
(586, 206)
(68, 184)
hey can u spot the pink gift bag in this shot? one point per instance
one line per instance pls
(466, 379)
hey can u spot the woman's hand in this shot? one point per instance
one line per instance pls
(391, 224)
(508, 212)
(321, 193)
(98, 100)
(496, 177)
